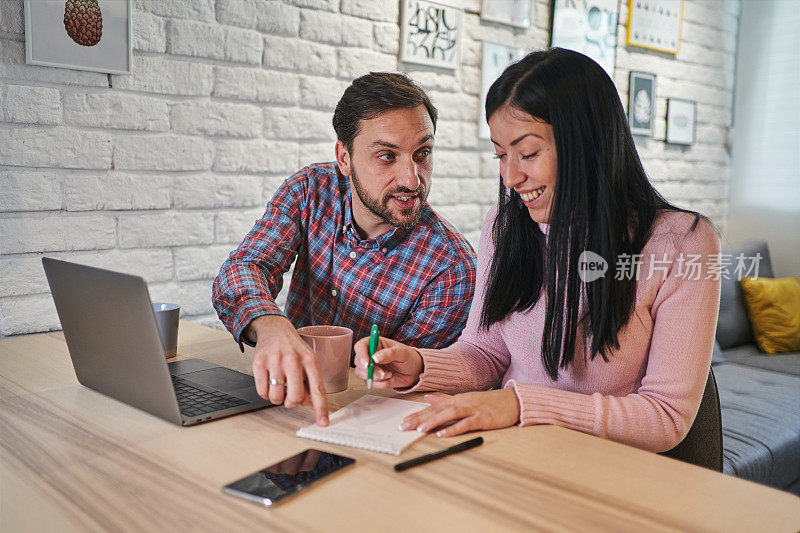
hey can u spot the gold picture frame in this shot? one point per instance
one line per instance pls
(655, 24)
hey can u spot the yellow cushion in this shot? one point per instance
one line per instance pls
(774, 309)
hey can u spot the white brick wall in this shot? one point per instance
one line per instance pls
(170, 228)
(31, 105)
(703, 70)
(115, 191)
(116, 111)
(163, 172)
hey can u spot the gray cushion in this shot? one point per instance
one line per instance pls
(750, 355)
(717, 356)
(733, 326)
(794, 488)
(760, 424)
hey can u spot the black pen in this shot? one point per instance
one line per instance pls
(422, 459)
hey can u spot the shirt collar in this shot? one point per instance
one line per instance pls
(384, 242)
(347, 209)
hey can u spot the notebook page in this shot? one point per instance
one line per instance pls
(370, 423)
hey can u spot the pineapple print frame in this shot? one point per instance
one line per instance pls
(93, 35)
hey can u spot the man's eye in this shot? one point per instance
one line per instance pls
(424, 153)
(529, 155)
(499, 156)
(386, 157)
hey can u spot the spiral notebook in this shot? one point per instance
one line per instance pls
(371, 423)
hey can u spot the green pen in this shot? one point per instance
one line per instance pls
(374, 338)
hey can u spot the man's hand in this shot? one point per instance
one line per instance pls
(282, 355)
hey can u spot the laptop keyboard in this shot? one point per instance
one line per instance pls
(194, 401)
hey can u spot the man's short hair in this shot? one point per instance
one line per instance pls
(375, 93)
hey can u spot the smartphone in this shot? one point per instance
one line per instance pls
(287, 477)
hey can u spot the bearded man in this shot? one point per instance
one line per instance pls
(368, 247)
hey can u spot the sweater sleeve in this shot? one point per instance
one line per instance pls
(658, 415)
(479, 358)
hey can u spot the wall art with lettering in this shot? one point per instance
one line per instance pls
(496, 57)
(588, 27)
(655, 24)
(430, 33)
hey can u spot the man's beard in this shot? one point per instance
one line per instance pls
(408, 217)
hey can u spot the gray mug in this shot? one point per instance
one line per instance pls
(167, 317)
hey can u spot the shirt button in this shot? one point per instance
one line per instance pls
(333, 292)
(353, 255)
(383, 250)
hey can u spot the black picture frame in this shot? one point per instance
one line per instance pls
(642, 103)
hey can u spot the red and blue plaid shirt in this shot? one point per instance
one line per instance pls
(415, 284)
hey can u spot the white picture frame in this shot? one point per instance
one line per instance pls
(588, 27)
(48, 43)
(681, 120)
(515, 13)
(642, 103)
(430, 33)
(496, 57)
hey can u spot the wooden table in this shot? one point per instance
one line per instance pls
(74, 460)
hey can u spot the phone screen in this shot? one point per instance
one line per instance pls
(291, 475)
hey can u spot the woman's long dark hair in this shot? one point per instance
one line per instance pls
(603, 202)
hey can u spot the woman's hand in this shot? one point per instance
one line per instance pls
(396, 365)
(469, 411)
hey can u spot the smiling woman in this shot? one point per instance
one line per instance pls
(528, 162)
(572, 185)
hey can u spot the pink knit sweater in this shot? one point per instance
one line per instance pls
(649, 392)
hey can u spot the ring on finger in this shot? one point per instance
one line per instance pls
(276, 381)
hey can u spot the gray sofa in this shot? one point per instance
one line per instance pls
(759, 394)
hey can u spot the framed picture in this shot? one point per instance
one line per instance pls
(681, 121)
(655, 24)
(79, 34)
(588, 27)
(496, 57)
(430, 33)
(512, 12)
(642, 103)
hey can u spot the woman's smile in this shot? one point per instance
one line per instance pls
(530, 197)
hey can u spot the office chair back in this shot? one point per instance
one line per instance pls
(702, 446)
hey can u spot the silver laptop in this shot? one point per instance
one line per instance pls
(115, 348)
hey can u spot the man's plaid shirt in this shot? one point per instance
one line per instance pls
(415, 284)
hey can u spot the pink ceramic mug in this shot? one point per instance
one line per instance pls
(332, 345)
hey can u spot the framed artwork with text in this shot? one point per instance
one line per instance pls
(588, 27)
(430, 33)
(496, 57)
(655, 24)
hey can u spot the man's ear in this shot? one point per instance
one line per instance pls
(343, 158)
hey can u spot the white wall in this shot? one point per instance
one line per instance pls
(765, 176)
(163, 172)
(703, 71)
